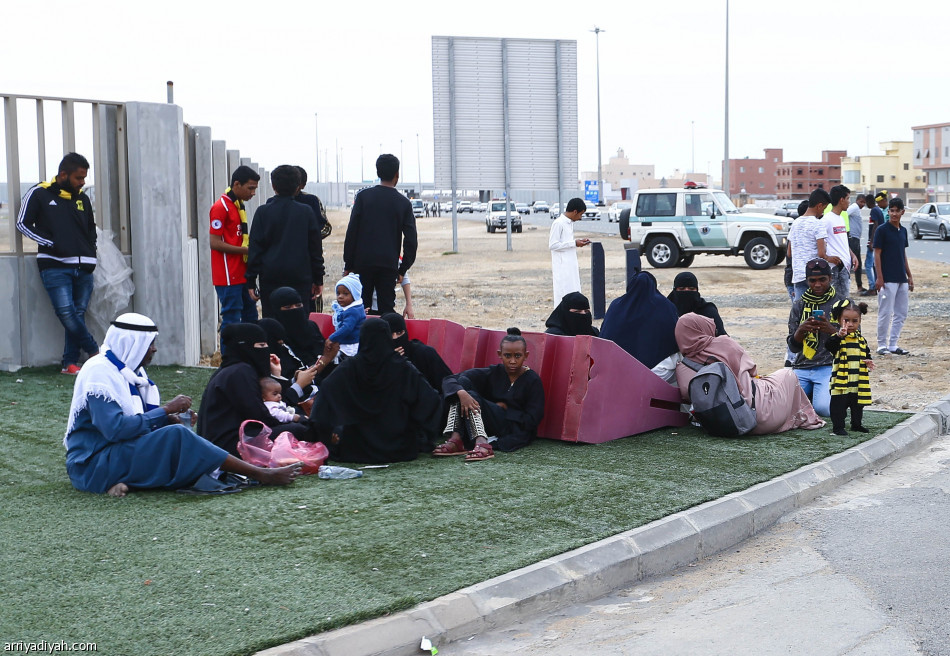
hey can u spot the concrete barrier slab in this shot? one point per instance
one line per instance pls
(666, 544)
(721, 523)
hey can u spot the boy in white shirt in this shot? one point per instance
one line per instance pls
(837, 250)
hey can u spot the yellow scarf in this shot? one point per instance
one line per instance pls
(811, 302)
(245, 233)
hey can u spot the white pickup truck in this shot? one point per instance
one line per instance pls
(670, 226)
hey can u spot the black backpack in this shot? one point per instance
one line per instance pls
(717, 404)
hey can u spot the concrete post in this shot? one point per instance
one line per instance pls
(205, 197)
(166, 260)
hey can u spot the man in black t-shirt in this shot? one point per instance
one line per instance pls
(381, 227)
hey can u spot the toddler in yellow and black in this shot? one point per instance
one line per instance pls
(850, 385)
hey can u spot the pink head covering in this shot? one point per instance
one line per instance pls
(696, 338)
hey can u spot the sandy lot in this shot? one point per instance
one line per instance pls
(485, 285)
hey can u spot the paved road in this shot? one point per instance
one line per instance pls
(861, 572)
(929, 248)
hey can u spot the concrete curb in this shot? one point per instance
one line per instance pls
(621, 560)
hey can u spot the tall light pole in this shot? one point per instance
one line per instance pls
(362, 176)
(725, 168)
(316, 125)
(419, 163)
(600, 160)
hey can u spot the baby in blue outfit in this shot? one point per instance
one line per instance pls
(348, 314)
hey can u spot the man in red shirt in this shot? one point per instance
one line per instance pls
(229, 235)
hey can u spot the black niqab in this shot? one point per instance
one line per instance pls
(398, 325)
(239, 340)
(564, 322)
(691, 301)
(276, 344)
(302, 335)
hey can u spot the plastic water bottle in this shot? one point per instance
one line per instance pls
(328, 471)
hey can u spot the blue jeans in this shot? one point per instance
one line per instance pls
(800, 288)
(817, 385)
(236, 304)
(869, 268)
(69, 290)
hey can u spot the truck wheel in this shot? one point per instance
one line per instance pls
(686, 260)
(780, 257)
(491, 229)
(663, 253)
(760, 253)
(518, 230)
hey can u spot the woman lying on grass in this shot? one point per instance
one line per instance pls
(496, 407)
(780, 402)
(118, 438)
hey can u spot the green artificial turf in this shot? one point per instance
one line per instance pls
(164, 573)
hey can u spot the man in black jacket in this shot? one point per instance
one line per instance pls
(284, 249)
(381, 227)
(57, 215)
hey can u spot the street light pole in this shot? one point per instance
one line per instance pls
(419, 163)
(600, 160)
(692, 129)
(316, 125)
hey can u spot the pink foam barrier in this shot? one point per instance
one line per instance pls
(594, 390)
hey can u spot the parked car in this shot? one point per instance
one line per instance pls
(613, 214)
(479, 207)
(498, 213)
(540, 206)
(465, 206)
(555, 210)
(445, 206)
(789, 209)
(592, 212)
(418, 208)
(522, 208)
(670, 226)
(932, 219)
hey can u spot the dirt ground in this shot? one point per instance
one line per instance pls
(485, 285)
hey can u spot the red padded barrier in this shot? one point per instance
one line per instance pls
(594, 390)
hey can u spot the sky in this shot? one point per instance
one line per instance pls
(804, 76)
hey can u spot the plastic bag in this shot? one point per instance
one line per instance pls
(288, 449)
(255, 447)
(112, 284)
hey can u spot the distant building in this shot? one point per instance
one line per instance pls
(796, 180)
(894, 171)
(620, 174)
(932, 156)
(755, 177)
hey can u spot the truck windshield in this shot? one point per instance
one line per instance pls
(725, 204)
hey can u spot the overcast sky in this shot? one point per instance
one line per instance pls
(805, 76)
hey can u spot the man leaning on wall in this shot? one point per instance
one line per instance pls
(57, 215)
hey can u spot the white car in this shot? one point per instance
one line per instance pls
(465, 206)
(540, 206)
(592, 212)
(613, 214)
(522, 208)
(555, 210)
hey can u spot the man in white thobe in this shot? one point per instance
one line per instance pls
(564, 247)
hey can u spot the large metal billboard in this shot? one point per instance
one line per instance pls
(504, 114)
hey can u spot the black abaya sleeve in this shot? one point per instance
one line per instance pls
(478, 379)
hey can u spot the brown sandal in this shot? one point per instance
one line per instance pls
(480, 452)
(451, 447)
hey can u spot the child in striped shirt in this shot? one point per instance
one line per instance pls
(850, 384)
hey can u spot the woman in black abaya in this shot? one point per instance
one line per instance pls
(572, 317)
(378, 404)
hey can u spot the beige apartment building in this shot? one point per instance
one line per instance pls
(893, 171)
(932, 155)
(619, 173)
